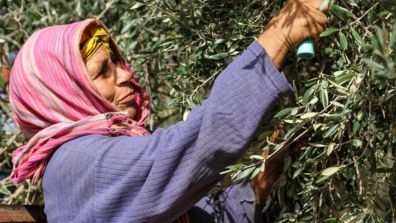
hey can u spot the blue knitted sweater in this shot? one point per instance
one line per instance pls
(156, 178)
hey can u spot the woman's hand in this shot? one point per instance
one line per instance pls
(296, 21)
(263, 183)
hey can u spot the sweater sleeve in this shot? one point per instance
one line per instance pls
(157, 178)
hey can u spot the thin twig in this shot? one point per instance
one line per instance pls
(203, 84)
(108, 6)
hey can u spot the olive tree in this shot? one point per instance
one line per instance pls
(343, 106)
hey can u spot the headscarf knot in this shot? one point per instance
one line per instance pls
(92, 40)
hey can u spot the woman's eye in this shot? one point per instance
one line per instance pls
(107, 68)
(104, 70)
(114, 58)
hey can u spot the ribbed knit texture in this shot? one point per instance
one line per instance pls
(158, 177)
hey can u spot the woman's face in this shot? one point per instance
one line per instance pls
(112, 81)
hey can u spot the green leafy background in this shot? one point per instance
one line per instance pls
(344, 98)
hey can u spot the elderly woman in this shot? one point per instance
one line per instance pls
(77, 100)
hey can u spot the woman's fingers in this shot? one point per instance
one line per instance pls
(316, 4)
(317, 26)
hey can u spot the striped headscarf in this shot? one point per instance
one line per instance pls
(53, 100)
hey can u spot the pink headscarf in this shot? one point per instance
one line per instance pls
(53, 100)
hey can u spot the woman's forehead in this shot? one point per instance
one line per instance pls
(99, 55)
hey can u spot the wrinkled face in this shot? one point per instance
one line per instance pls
(112, 81)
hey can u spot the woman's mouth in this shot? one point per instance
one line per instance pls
(127, 99)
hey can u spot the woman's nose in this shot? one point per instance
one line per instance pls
(123, 75)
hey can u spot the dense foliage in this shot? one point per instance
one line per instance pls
(344, 98)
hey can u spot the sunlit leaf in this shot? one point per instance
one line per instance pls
(316, 126)
(329, 31)
(137, 5)
(330, 131)
(331, 170)
(330, 148)
(308, 115)
(357, 37)
(313, 101)
(282, 113)
(256, 157)
(356, 127)
(217, 56)
(309, 93)
(297, 173)
(340, 12)
(343, 41)
(245, 173)
(254, 173)
(357, 143)
(324, 97)
(345, 77)
(335, 103)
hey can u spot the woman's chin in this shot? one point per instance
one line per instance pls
(131, 112)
